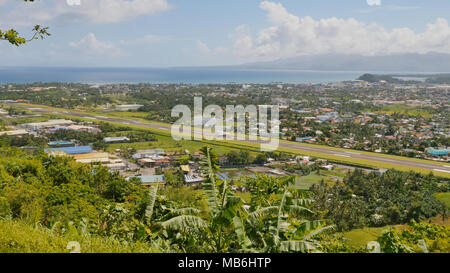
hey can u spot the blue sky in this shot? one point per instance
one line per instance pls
(212, 32)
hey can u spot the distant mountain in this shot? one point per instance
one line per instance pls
(431, 62)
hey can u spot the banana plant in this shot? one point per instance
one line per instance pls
(284, 231)
(149, 210)
(173, 217)
(233, 227)
(223, 206)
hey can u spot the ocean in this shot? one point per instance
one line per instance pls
(22, 75)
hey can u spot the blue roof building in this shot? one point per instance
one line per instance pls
(438, 152)
(71, 150)
(303, 139)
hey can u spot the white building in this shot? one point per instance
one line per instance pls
(128, 107)
(35, 126)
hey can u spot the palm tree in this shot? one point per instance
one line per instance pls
(231, 226)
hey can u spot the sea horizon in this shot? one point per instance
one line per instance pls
(169, 75)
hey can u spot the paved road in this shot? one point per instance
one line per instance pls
(319, 149)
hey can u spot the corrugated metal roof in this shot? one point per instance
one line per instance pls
(71, 150)
(439, 151)
(56, 143)
(115, 139)
(152, 179)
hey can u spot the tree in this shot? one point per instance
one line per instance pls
(273, 226)
(173, 178)
(13, 37)
(261, 159)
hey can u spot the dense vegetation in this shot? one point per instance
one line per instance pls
(56, 200)
(378, 200)
(59, 194)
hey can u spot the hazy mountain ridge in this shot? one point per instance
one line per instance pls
(423, 63)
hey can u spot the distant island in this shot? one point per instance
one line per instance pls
(404, 79)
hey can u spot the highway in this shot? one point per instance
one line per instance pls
(443, 167)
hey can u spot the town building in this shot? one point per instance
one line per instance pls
(109, 140)
(128, 107)
(438, 152)
(151, 180)
(36, 126)
(16, 133)
(70, 150)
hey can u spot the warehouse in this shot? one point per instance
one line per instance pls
(14, 133)
(112, 162)
(438, 152)
(109, 140)
(46, 125)
(130, 107)
(70, 150)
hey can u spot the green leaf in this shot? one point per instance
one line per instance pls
(183, 223)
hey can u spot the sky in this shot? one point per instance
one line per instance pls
(165, 33)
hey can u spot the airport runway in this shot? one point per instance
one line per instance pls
(318, 149)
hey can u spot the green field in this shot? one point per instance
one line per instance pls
(360, 237)
(338, 172)
(406, 110)
(169, 144)
(305, 182)
(444, 197)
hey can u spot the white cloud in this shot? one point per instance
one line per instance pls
(374, 2)
(90, 45)
(202, 47)
(288, 36)
(93, 11)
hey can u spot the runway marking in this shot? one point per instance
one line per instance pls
(353, 153)
(342, 155)
(389, 160)
(445, 171)
(446, 166)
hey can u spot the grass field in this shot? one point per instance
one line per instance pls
(360, 237)
(305, 182)
(338, 172)
(169, 144)
(444, 197)
(406, 110)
